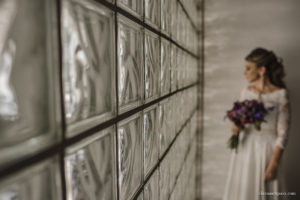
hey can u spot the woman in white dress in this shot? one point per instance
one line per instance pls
(255, 171)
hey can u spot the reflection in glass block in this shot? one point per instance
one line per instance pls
(135, 7)
(166, 15)
(173, 67)
(88, 72)
(151, 139)
(130, 63)
(129, 156)
(152, 12)
(152, 65)
(151, 190)
(165, 74)
(90, 168)
(29, 99)
(39, 182)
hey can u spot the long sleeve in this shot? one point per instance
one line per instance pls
(283, 120)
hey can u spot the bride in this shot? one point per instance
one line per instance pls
(255, 171)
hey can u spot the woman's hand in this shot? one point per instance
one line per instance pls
(235, 129)
(270, 172)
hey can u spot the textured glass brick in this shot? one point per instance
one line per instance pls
(135, 7)
(173, 67)
(166, 16)
(164, 178)
(165, 73)
(90, 167)
(130, 156)
(29, 91)
(152, 12)
(89, 67)
(130, 63)
(164, 133)
(152, 66)
(140, 197)
(41, 181)
(151, 189)
(151, 139)
(174, 22)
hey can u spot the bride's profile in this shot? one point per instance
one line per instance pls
(255, 172)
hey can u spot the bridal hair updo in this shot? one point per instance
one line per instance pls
(273, 64)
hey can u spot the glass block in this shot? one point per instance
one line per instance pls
(185, 66)
(177, 111)
(151, 139)
(180, 68)
(135, 7)
(173, 68)
(152, 12)
(151, 189)
(174, 22)
(140, 197)
(180, 25)
(166, 16)
(172, 162)
(162, 126)
(41, 181)
(164, 178)
(130, 63)
(88, 64)
(152, 66)
(29, 92)
(165, 73)
(90, 167)
(171, 122)
(130, 156)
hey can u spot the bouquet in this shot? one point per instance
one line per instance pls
(246, 112)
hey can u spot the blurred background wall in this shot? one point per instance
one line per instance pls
(232, 29)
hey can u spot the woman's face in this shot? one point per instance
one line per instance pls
(251, 71)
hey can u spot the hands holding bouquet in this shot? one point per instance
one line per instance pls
(245, 112)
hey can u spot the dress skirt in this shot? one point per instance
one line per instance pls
(247, 167)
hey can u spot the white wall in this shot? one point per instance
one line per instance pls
(232, 29)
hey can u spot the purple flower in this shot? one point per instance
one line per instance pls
(258, 116)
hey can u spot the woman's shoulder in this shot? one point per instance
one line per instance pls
(284, 94)
(243, 92)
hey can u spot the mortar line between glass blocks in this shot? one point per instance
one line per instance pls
(62, 102)
(116, 141)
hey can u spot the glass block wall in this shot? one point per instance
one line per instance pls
(98, 99)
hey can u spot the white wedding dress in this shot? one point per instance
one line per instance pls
(245, 180)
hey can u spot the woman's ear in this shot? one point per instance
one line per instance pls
(262, 70)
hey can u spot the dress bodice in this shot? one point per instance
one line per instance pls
(277, 120)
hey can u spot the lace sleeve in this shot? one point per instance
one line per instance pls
(283, 121)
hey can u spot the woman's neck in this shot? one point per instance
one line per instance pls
(264, 85)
